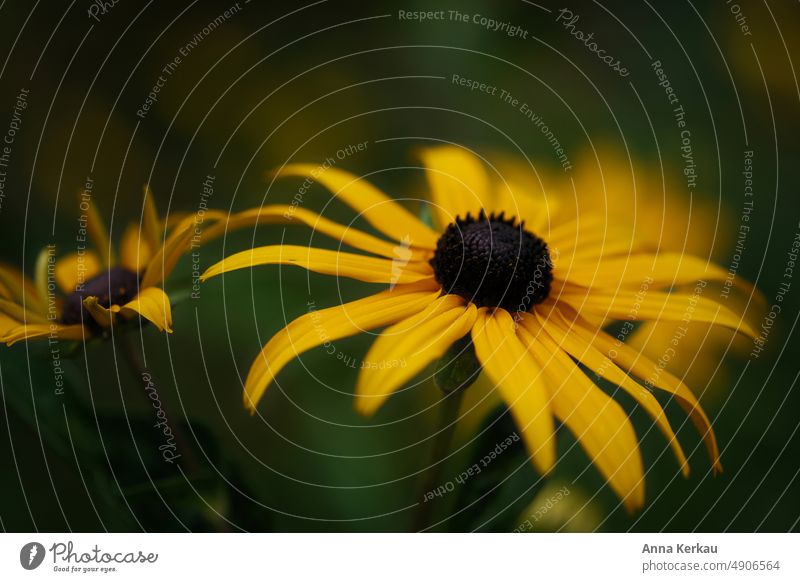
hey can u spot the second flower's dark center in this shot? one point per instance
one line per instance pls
(114, 286)
(493, 262)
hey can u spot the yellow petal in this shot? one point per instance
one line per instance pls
(165, 259)
(7, 324)
(403, 350)
(102, 315)
(286, 214)
(528, 192)
(134, 251)
(589, 236)
(19, 313)
(653, 375)
(319, 326)
(151, 225)
(360, 267)
(520, 382)
(558, 329)
(458, 183)
(75, 269)
(567, 233)
(656, 305)
(597, 421)
(40, 278)
(580, 255)
(187, 234)
(98, 233)
(374, 206)
(152, 304)
(664, 269)
(516, 200)
(45, 331)
(698, 357)
(20, 288)
(176, 218)
(5, 292)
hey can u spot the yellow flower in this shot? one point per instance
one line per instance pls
(78, 295)
(527, 283)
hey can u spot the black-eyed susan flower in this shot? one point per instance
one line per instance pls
(529, 285)
(76, 296)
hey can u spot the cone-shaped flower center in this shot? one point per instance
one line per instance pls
(114, 286)
(493, 262)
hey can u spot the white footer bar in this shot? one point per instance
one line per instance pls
(389, 557)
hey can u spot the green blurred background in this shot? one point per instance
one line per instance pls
(276, 83)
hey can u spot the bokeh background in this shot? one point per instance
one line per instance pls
(279, 82)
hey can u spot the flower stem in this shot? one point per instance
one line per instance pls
(455, 371)
(136, 364)
(448, 417)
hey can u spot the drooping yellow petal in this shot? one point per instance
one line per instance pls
(698, 359)
(663, 269)
(174, 219)
(317, 327)
(403, 350)
(458, 183)
(559, 330)
(179, 241)
(102, 315)
(96, 227)
(597, 421)
(652, 374)
(45, 331)
(374, 206)
(520, 382)
(75, 269)
(168, 253)
(360, 267)
(152, 304)
(656, 305)
(134, 250)
(286, 214)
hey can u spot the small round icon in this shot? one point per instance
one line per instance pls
(31, 555)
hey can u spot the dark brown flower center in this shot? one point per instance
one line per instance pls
(114, 286)
(493, 262)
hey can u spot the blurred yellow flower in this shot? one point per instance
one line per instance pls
(76, 296)
(531, 308)
(561, 506)
(648, 203)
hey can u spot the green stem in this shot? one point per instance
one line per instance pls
(136, 365)
(448, 417)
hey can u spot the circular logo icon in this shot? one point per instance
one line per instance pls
(31, 555)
